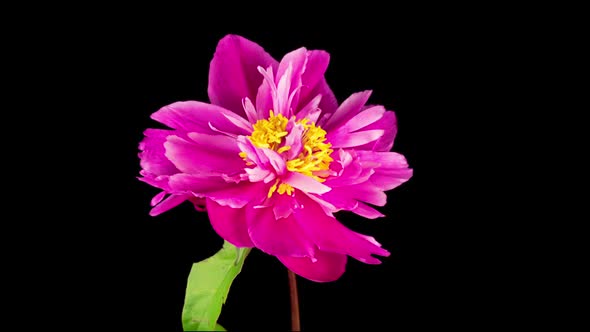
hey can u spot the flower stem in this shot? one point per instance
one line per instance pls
(295, 326)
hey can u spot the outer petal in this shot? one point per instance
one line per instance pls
(330, 235)
(349, 108)
(204, 154)
(387, 123)
(314, 82)
(169, 203)
(327, 267)
(152, 152)
(392, 168)
(233, 73)
(195, 116)
(229, 223)
(277, 237)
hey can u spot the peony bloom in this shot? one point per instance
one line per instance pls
(274, 156)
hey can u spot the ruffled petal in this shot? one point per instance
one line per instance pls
(330, 235)
(233, 73)
(391, 170)
(277, 237)
(229, 223)
(326, 267)
(152, 158)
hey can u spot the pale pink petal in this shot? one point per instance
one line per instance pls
(266, 93)
(152, 158)
(195, 116)
(354, 139)
(360, 121)
(204, 154)
(233, 73)
(305, 183)
(169, 203)
(369, 193)
(250, 110)
(229, 223)
(349, 108)
(349, 170)
(386, 160)
(387, 123)
(326, 267)
(281, 101)
(366, 211)
(276, 160)
(387, 180)
(311, 111)
(277, 237)
(291, 69)
(330, 235)
(391, 170)
(293, 139)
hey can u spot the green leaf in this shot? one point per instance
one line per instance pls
(207, 288)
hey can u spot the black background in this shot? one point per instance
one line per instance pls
(113, 266)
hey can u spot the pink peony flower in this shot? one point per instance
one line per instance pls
(273, 157)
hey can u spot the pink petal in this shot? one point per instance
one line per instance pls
(277, 237)
(391, 179)
(392, 169)
(361, 120)
(238, 195)
(266, 93)
(327, 266)
(386, 160)
(169, 203)
(366, 211)
(152, 152)
(291, 69)
(329, 235)
(194, 184)
(250, 110)
(158, 181)
(293, 139)
(315, 84)
(311, 111)
(388, 124)
(305, 183)
(158, 198)
(349, 108)
(276, 160)
(229, 223)
(195, 116)
(204, 154)
(233, 73)
(354, 139)
(350, 171)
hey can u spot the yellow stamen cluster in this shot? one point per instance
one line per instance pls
(314, 155)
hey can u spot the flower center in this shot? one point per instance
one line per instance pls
(314, 157)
